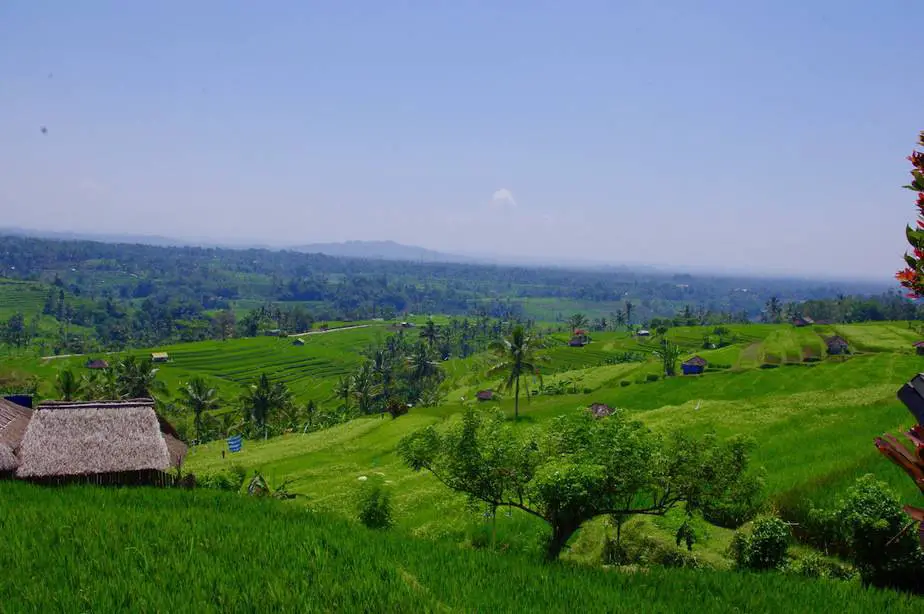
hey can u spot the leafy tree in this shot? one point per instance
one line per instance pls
(629, 308)
(575, 469)
(198, 397)
(577, 321)
(669, 354)
(765, 547)
(260, 400)
(881, 547)
(621, 318)
(67, 385)
(517, 360)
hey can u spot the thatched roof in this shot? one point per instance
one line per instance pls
(601, 410)
(13, 422)
(484, 395)
(8, 461)
(696, 361)
(65, 439)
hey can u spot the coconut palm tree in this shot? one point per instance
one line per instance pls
(629, 308)
(344, 391)
(260, 400)
(517, 360)
(364, 388)
(620, 318)
(197, 396)
(774, 309)
(138, 378)
(430, 333)
(67, 385)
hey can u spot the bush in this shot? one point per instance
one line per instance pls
(873, 523)
(651, 377)
(743, 503)
(374, 504)
(764, 548)
(625, 383)
(814, 565)
(230, 479)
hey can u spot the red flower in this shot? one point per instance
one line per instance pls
(906, 275)
(918, 253)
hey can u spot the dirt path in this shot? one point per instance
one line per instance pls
(330, 330)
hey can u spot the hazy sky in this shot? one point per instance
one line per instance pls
(767, 133)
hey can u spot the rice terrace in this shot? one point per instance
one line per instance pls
(470, 307)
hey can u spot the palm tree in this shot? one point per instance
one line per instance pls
(364, 387)
(421, 365)
(67, 385)
(517, 359)
(138, 378)
(262, 399)
(430, 333)
(629, 308)
(621, 318)
(344, 391)
(578, 320)
(198, 397)
(774, 309)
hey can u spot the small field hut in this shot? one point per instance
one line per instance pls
(13, 422)
(298, 341)
(485, 395)
(101, 442)
(837, 345)
(919, 347)
(600, 410)
(159, 357)
(694, 366)
(97, 363)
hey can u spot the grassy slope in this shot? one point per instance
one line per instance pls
(814, 426)
(70, 550)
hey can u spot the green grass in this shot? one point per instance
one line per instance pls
(137, 550)
(25, 297)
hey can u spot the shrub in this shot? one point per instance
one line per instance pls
(230, 479)
(764, 548)
(651, 377)
(813, 565)
(625, 383)
(872, 520)
(768, 365)
(374, 505)
(743, 503)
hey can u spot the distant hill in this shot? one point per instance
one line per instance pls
(380, 250)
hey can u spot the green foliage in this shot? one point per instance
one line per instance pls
(146, 550)
(517, 361)
(199, 397)
(574, 469)
(374, 507)
(881, 547)
(67, 385)
(765, 547)
(668, 353)
(231, 479)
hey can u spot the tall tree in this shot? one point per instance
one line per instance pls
(67, 385)
(260, 400)
(138, 378)
(430, 333)
(517, 360)
(629, 308)
(364, 387)
(774, 310)
(577, 321)
(669, 354)
(578, 468)
(198, 397)
(344, 391)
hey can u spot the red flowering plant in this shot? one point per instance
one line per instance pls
(912, 276)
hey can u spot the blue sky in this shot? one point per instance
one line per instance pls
(760, 135)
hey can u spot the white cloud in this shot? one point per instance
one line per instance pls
(503, 197)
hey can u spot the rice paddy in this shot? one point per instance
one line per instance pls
(142, 550)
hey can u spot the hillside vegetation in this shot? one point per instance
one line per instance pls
(176, 551)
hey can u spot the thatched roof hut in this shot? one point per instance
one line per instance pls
(8, 460)
(66, 439)
(13, 422)
(601, 410)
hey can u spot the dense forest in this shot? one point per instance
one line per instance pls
(112, 295)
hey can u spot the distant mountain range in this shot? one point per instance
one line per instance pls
(380, 250)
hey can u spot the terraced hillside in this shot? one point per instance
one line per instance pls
(813, 422)
(24, 297)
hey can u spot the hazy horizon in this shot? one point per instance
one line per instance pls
(770, 139)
